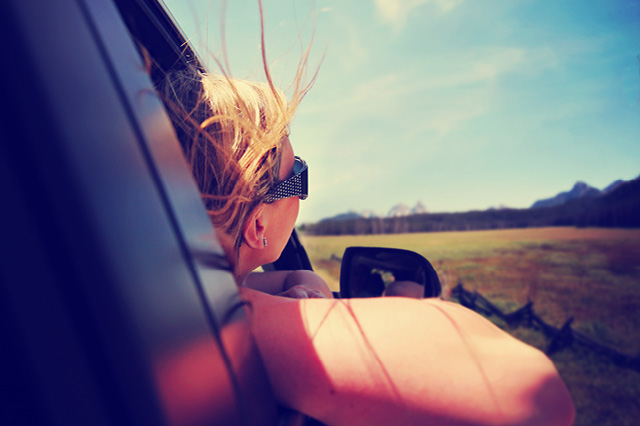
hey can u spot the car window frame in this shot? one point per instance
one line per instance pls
(94, 290)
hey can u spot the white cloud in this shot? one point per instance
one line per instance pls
(437, 100)
(397, 11)
(448, 112)
(484, 67)
(489, 64)
(347, 44)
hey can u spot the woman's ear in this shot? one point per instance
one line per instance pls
(254, 228)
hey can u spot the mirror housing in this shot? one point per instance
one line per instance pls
(368, 271)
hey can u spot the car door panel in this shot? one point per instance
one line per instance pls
(158, 330)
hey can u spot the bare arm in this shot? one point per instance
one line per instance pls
(296, 284)
(405, 289)
(402, 361)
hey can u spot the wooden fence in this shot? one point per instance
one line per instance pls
(558, 338)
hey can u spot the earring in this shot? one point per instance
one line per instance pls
(264, 241)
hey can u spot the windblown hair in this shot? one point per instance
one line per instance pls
(231, 132)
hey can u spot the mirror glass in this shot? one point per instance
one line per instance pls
(369, 271)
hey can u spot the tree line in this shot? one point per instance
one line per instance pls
(619, 209)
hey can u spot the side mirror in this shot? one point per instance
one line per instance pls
(368, 271)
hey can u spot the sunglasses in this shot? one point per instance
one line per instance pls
(295, 186)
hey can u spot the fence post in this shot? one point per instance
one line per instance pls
(563, 338)
(515, 318)
(558, 338)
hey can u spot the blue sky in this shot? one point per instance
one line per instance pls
(460, 104)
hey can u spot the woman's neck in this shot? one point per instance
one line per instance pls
(240, 260)
(231, 255)
(240, 278)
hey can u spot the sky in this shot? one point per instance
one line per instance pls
(459, 104)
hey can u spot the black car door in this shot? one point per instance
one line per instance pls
(116, 305)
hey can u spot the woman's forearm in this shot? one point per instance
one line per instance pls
(403, 361)
(277, 282)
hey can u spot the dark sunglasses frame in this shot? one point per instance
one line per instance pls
(295, 186)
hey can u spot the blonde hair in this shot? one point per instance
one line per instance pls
(231, 132)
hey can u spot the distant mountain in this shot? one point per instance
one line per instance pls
(399, 210)
(500, 207)
(581, 205)
(419, 208)
(368, 214)
(345, 216)
(617, 206)
(352, 214)
(579, 190)
(612, 186)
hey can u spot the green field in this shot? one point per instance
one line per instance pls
(592, 275)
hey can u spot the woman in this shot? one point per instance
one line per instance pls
(235, 136)
(379, 361)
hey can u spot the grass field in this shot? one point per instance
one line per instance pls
(592, 275)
